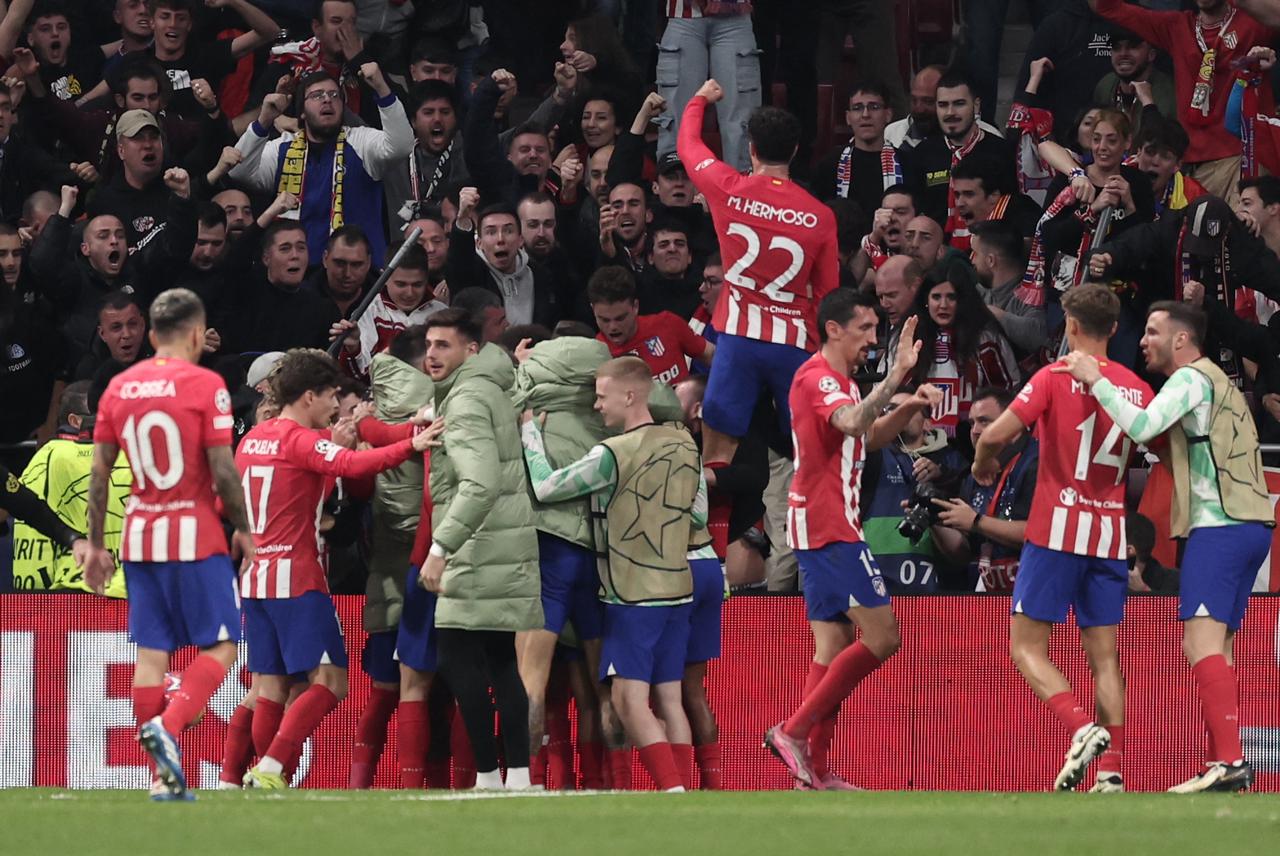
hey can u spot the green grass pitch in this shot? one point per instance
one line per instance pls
(343, 823)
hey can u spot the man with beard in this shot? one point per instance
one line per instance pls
(278, 314)
(76, 282)
(239, 211)
(1000, 259)
(1205, 45)
(122, 335)
(420, 179)
(333, 169)
(922, 241)
(495, 259)
(624, 226)
(68, 68)
(922, 121)
(527, 162)
(435, 240)
(136, 193)
(1133, 62)
(172, 22)
(865, 167)
(927, 167)
(346, 270)
(671, 281)
(538, 220)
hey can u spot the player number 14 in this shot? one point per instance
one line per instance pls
(1107, 455)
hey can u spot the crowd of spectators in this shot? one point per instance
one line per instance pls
(274, 155)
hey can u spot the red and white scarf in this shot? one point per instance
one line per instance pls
(956, 227)
(890, 169)
(306, 56)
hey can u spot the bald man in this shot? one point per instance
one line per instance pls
(896, 285)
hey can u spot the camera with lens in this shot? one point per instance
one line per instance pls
(921, 513)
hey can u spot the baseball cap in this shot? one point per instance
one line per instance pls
(1206, 222)
(133, 121)
(261, 368)
(670, 162)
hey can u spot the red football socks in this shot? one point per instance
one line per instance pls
(148, 703)
(682, 754)
(1217, 681)
(199, 682)
(266, 722)
(719, 507)
(845, 672)
(559, 746)
(1112, 758)
(413, 731)
(708, 758)
(820, 743)
(300, 720)
(538, 768)
(1069, 711)
(371, 736)
(620, 769)
(591, 759)
(659, 760)
(439, 776)
(239, 747)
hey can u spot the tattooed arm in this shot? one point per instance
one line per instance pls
(96, 559)
(857, 419)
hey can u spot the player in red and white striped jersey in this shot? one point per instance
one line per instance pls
(778, 244)
(289, 467)
(833, 427)
(173, 419)
(1074, 556)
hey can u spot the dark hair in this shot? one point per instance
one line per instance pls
(1188, 317)
(210, 215)
(536, 197)
(497, 209)
(871, 87)
(349, 234)
(476, 300)
(972, 319)
(188, 6)
(528, 128)
(101, 380)
(47, 9)
(775, 133)
(118, 300)
(1162, 135)
(596, 35)
(953, 78)
(1003, 397)
(464, 323)
(415, 258)
(902, 190)
(1003, 238)
(74, 401)
(570, 327)
(138, 66)
(1141, 533)
(429, 90)
(303, 370)
(348, 385)
(278, 226)
(1267, 186)
(840, 306)
(1095, 307)
(611, 284)
(433, 49)
(175, 311)
(311, 78)
(669, 223)
(317, 13)
(410, 345)
(994, 173)
(512, 336)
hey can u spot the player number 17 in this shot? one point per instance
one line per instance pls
(774, 290)
(257, 513)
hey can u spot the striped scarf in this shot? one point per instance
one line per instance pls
(1031, 291)
(955, 226)
(293, 174)
(890, 169)
(1031, 126)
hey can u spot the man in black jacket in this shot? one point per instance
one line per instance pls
(135, 193)
(526, 164)
(25, 167)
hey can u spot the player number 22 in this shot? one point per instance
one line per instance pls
(1107, 455)
(774, 290)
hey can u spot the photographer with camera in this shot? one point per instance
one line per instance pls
(917, 467)
(986, 526)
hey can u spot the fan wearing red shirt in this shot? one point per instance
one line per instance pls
(289, 467)
(778, 244)
(1074, 555)
(174, 421)
(832, 429)
(664, 341)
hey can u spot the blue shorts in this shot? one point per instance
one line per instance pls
(416, 641)
(837, 577)
(570, 587)
(644, 643)
(1051, 581)
(378, 659)
(293, 635)
(1219, 566)
(704, 615)
(741, 368)
(176, 604)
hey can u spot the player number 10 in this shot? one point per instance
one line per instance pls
(774, 290)
(141, 452)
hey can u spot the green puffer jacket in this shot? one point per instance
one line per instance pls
(559, 379)
(482, 516)
(398, 391)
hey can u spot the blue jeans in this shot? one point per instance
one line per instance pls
(695, 49)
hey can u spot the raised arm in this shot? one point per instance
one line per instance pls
(264, 28)
(1185, 389)
(857, 419)
(595, 471)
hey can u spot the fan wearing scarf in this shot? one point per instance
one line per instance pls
(335, 170)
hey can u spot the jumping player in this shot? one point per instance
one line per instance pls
(1220, 505)
(1074, 556)
(174, 421)
(289, 467)
(778, 244)
(832, 429)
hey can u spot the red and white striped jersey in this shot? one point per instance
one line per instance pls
(1078, 506)
(828, 463)
(379, 326)
(165, 414)
(287, 471)
(778, 244)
